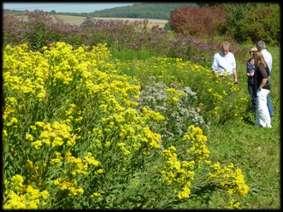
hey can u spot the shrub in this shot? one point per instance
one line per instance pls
(178, 106)
(204, 21)
(253, 22)
(13, 29)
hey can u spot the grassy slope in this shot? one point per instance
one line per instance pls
(255, 150)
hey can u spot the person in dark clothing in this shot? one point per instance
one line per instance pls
(263, 89)
(251, 78)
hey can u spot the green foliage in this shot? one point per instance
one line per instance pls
(253, 21)
(130, 54)
(142, 10)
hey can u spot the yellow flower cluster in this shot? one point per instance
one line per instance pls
(96, 195)
(20, 196)
(9, 112)
(198, 150)
(131, 129)
(24, 71)
(81, 165)
(152, 115)
(153, 139)
(66, 185)
(178, 172)
(182, 173)
(229, 178)
(54, 134)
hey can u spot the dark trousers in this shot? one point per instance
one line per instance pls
(252, 91)
(269, 105)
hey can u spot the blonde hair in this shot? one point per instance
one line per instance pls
(259, 59)
(225, 44)
(253, 49)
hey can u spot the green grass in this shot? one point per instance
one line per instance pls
(256, 150)
(130, 54)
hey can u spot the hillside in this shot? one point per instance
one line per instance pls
(142, 10)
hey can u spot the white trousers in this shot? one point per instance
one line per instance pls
(262, 113)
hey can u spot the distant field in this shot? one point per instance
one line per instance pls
(79, 19)
(71, 19)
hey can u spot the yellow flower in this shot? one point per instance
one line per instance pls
(34, 193)
(17, 180)
(40, 124)
(13, 121)
(91, 160)
(44, 194)
(95, 195)
(184, 193)
(154, 139)
(100, 171)
(57, 142)
(37, 144)
(29, 137)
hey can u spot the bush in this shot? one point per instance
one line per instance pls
(253, 22)
(204, 21)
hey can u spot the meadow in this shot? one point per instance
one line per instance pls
(101, 125)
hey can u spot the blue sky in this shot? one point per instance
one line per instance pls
(63, 7)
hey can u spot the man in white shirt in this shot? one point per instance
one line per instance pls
(268, 59)
(266, 54)
(224, 62)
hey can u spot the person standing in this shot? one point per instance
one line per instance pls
(251, 78)
(224, 62)
(268, 60)
(263, 89)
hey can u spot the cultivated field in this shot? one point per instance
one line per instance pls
(79, 19)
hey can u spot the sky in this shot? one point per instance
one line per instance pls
(63, 7)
